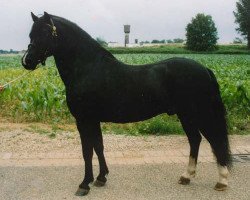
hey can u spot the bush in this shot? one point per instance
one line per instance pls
(201, 33)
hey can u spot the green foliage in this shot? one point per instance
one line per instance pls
(178, 40)
(40, 96)
(158, 41)
(238, 40)
(180, 49)
(160, 125)
(11, 51)
(169, 41)
(9, 61)
(37, 97)
(144, 42)
(201, 33)
(242, 18)
(173, 48)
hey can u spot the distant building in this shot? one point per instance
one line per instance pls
(114, 44)
(126, 31)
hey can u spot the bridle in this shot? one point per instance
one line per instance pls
(54, 38)
(54, 33)
(48, 51)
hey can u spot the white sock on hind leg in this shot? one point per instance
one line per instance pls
(190, 173)
(223, 175)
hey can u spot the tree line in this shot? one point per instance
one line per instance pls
(201, 32)
(11, 51)
(168, 41)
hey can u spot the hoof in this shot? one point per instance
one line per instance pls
(220, 187)
(82, 192)
(99, 183)
(184, 181)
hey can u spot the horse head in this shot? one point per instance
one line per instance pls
(42, 41)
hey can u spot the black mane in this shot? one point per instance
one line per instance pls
(89, 43)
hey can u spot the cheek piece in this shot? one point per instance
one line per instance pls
(54, 36)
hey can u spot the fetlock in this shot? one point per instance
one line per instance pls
(85, 183)
(102, 178)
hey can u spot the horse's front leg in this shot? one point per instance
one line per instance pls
(98, 147)
(87, 135)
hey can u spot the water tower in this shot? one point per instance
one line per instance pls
(126, 31)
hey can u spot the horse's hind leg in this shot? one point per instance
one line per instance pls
(194, 139)
(98, 147)
(220, 149)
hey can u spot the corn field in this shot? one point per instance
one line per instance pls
(40, 96)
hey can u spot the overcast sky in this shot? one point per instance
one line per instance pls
(149, 19)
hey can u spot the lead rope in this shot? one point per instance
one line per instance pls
(2, 87)
(54, 34)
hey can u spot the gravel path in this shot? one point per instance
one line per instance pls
(142, 182)
(36, 178)
(20, 138)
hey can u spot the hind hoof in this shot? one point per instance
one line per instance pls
(99, 183)
(184, 181)
(220, 186)
(82, 192)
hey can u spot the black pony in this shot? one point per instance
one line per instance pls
(99, 88)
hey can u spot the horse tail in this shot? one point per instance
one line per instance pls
(222, 147)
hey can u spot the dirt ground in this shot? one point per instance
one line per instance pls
(40, 138)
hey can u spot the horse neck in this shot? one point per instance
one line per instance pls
(74, 46)
(73, 42)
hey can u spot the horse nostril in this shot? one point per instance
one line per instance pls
(28, 61)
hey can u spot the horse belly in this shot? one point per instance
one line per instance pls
(132, 113)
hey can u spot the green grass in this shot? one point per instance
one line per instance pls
(40, 97)
(180, 49)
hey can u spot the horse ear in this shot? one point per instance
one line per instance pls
(46, 17)
(34, 17)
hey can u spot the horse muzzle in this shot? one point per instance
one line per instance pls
(29, 63)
